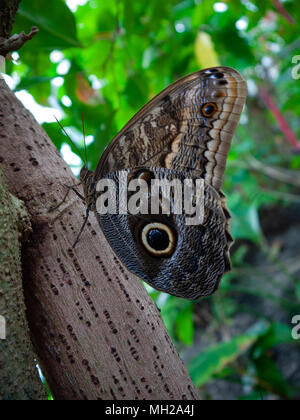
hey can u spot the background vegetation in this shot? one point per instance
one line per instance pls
(106, 60)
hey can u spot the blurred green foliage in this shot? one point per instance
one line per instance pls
(107, 59)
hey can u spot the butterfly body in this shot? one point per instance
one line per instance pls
(183, 133)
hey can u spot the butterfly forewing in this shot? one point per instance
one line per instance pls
(174, 131)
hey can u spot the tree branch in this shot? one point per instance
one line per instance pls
(283, 125)
(8, 44)
(280, 174)
(16, 41)
(19, 379)
(280, 8)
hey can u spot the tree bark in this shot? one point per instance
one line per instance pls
(8, 9)
(97, 333)
(19, 379)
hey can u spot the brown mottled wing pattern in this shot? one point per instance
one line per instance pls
(184, 132)
(172, 132)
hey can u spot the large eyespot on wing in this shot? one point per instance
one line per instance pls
(189, 125)
(209, 109)
(158, 239)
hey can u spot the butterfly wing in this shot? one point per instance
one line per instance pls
(186, 132)
(189, 125)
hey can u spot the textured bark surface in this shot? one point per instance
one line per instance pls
(97, 333)
(19, 379)
(8, 10)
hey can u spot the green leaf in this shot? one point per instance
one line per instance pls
(56, 135)
(298, 291)
(136, 90)
(253, 396)
(271, 378)
(55, 21)
(185, 324)
(295, 163)
(28, 82)
(277, 334)
(245, 221)
(38, 87)
(213, 360)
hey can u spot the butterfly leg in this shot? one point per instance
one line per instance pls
(82, 227)
(69, 188)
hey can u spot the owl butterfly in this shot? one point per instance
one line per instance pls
(184, 132)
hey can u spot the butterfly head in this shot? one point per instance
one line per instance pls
(87, 181)
(85, 173)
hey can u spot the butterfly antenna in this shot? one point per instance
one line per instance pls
(68, 137)
(83, 131)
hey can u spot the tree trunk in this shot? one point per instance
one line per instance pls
(97, 333)
(19, 379)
